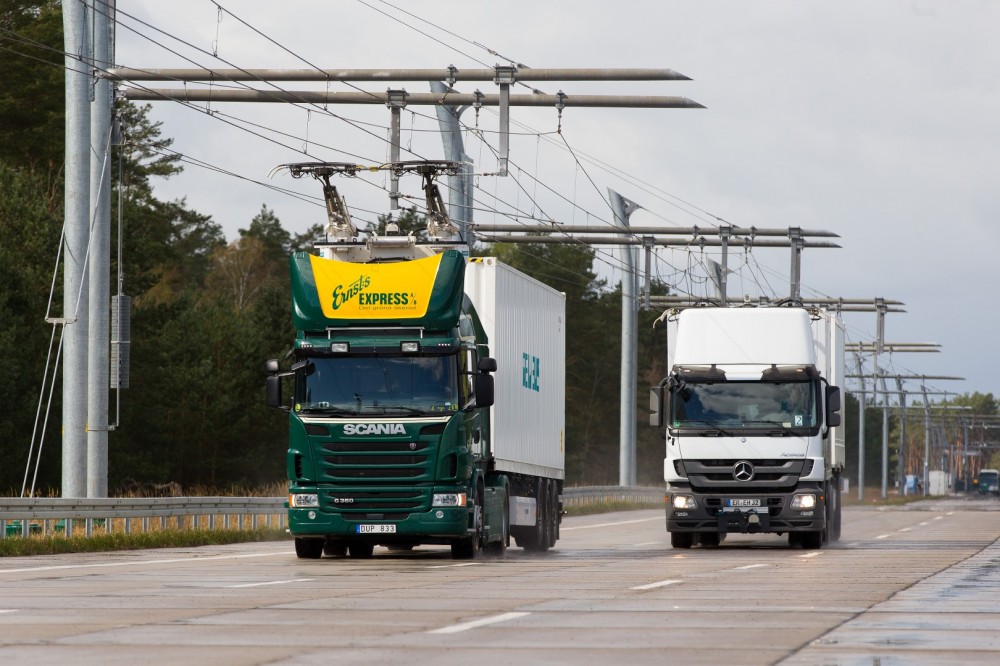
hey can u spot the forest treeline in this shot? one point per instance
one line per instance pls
(208, 311)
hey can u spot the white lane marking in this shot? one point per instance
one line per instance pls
(101, 565)
(882, 536)
(938, 517)
(646, 543)
(923, 523)
(853, 545)
(8, 610)
(809, 555)
(651, 586)
(950, 513)
(905, 529)
(273, 582)
(465, 626)
(449, 566)
(624, 522)
(749, 566)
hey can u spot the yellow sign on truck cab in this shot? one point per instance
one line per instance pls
(375, 291)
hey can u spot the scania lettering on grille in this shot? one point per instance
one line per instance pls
(374, 429)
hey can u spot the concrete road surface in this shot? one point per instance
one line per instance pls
(912, 585)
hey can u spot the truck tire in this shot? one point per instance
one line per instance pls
(359, 550)
(809, 540)
(681, 539)
(333, 548)
(552, 513)
(709, 539)
(499, 548)
(468, 547)
(308, 549)
(537, 538)
(835, 531)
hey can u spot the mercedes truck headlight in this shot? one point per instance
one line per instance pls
(303, 501)
(804, 502)
(683, 502)
(449, 499)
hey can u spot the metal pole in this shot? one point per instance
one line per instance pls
(927, 438)
(459, 185)
(395, 100)
(861, 432)
(99, 267)
(387, 75)
(901, 466)
(77, 211)
(623, 209)
(885, 441)
(725, 231)
(795, 236)
(504, 79)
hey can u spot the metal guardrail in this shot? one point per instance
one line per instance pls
(26, 516)
(42, 515)
(582, 496)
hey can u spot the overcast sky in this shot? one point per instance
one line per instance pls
(878, 121)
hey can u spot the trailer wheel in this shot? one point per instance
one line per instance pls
(308, 549)
(681, 539)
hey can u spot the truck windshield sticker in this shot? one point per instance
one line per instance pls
(375, 291)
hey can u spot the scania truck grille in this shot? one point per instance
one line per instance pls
(377, 461)
(367, 501)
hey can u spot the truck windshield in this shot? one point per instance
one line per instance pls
(378, 385)
(744, 405)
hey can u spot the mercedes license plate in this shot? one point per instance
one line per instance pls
(743, 502)
(376, 529)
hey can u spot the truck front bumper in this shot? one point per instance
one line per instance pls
(722, 513)
(439, 525)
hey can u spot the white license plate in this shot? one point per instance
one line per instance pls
(375, 529)
(743, 502)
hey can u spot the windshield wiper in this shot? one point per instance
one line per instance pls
(710, 424)
(404, 408)
(338, 411)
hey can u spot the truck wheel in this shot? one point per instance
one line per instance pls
(709, 539)
(835, 532)
(468, 548)
(358, 550)
(536, 540)
(334, 548)
(681, 539)
(308, 549)
(499, 548)
(810, 540)
(552, 526)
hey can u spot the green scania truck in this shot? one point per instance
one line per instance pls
(427, 400)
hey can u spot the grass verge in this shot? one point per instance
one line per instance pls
(51, 545)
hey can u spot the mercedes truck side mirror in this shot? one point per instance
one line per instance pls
(656, 406)
(832, 406)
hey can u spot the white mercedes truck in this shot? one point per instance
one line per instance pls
(750, 414)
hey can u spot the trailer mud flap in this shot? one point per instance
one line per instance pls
(745, 522)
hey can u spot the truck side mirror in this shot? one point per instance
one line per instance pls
(656, 406)
(272, 384)
(832, 406)
(485, 394)
(487, 364)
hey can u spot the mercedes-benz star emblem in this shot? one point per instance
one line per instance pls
(743, 471)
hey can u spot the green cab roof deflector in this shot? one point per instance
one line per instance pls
(422, 292)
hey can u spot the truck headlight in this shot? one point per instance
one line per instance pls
(804, 502)
(683, 502)
(448, 499)
(303, 501)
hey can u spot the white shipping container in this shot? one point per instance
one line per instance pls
(525, 322)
